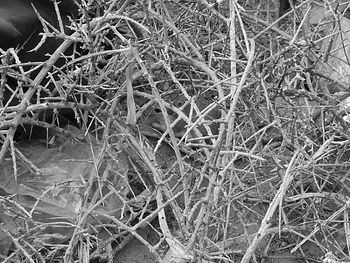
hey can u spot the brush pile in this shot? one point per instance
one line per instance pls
(208, 131)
